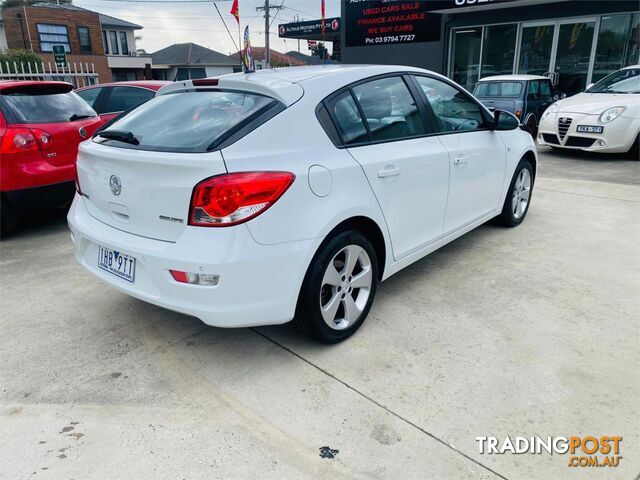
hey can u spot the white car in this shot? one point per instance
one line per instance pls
(253, 199)
(604, 118)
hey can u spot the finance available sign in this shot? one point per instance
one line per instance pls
(377, 22)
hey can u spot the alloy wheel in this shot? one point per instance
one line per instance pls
(346, 287)
(521, 193)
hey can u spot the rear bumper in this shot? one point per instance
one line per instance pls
(38, 198)
(258, 284)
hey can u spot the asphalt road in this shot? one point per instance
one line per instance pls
(530, 331)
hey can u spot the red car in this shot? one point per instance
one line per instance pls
(111, 99)
(41, 125)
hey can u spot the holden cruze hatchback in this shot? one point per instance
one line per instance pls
(258, 198)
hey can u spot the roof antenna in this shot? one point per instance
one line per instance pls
(244, 60)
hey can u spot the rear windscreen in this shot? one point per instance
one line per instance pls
(43, 107)
(188, 121)
(498, 89)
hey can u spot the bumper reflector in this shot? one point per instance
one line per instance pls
(204, 279)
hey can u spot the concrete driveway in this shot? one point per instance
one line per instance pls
(530, 331)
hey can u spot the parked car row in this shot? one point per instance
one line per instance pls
(41, 125)
(605, 118)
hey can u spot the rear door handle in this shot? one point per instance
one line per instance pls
(389, 172)
(461, 160)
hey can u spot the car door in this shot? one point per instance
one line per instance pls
(546, 97)
(385, 131)
(476, 153)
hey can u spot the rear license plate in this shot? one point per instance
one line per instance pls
(117, 263)
(590, 129)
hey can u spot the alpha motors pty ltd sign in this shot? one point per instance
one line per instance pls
(385, 22)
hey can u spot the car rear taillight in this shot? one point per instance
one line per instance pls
(19, 140)
(234, 198)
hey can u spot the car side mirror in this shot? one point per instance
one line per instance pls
(556, 98)
(563, 96)
(505, 120)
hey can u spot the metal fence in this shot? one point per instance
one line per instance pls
(77, 73)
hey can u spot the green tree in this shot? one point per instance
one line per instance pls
(24, 57)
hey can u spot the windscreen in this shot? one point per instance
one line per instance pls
(622, 81)
(186, 121)
(498, 89)
(42, 106)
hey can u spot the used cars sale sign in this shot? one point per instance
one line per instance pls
(376, 23)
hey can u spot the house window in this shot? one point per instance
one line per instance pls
(50, 35)
(105, 41)
(114, 43)
(85, 40)
(123, 43)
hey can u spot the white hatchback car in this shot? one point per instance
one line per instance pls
(258, 198)
(604, 118)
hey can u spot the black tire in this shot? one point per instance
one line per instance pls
(634, 151)
(532, 126)
(8, 218)
(309, 318)
(508, 217)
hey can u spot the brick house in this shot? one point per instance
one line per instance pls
(106, 42)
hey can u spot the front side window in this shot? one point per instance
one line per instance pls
(114, 43)
(532, 91)
(498, 89)
(123, 98)
(124, 43)
(50, 35)
(545, 90)
(189, 122)
(389, 109)
(84, 38)
(453, 109)
(347, 118)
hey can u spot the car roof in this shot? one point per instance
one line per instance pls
(150, 84)
(27, 83)
(288, 84)
(513, 78)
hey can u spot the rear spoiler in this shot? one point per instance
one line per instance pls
(286, 92)
(39, 88)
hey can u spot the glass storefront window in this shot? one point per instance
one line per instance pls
(535, 49)
(618, 44)
(574, 54)
(498, 49)
(465, 61)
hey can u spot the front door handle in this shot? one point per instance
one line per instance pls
(389, 172)
(460, 160)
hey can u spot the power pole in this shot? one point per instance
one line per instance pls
(266, 8)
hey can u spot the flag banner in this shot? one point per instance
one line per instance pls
(248, 56)
(235, 11)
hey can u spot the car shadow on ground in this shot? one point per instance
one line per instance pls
(39, 224)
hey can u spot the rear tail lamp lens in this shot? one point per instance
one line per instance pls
(18, 140)
(235, 198)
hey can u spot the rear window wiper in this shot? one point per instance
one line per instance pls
(119, 135)
(75, 117)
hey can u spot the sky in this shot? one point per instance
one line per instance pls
(167, 22)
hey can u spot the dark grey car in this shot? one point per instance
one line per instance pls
(526, 96)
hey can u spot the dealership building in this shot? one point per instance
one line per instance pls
(575, 42)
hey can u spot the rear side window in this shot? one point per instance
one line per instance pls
(123, 98)
(389, 109)
(43, 106)
(498, 89)
(90, 96)
(347, 118)
(188, 121)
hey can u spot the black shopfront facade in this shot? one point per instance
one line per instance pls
(576, 42)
